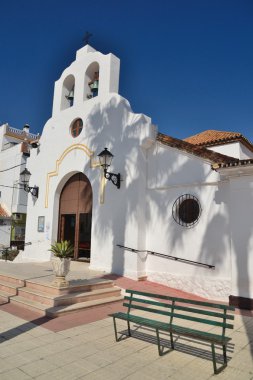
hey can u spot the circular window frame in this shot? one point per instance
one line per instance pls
(75, 130)
(179, 211)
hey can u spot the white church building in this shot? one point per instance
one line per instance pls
(179, 212)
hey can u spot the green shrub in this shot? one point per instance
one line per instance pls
(9, 254)
(62, 249)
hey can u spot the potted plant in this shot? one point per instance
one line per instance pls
(62, 251)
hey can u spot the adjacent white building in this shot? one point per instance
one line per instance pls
(183, 213)
(14, 150)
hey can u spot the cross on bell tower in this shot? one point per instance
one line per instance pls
(86, 38)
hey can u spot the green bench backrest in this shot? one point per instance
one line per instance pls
(181, 308)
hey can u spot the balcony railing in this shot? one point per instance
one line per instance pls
(20, 132)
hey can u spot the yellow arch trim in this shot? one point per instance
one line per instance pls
(54, 173)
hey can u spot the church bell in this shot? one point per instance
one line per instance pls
(70, 96)
(94, 85)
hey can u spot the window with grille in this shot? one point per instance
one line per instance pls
(186, 210)
(76, 127)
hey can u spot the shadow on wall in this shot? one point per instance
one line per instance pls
(215, 242)
(175, 234)
(238, 242)
(241, 210)
(120, 133)
(118, 128)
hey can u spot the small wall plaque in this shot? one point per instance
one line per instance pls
(41, 223)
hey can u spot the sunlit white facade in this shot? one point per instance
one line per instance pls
(146, 213)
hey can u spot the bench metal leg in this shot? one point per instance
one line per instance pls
(128, 328)
(171, 341)
(225, 354)
(216, 371)
(214, 359)
(161, 349)
(115, 330)
(158, 343)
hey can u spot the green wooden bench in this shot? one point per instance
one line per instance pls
(169, 314)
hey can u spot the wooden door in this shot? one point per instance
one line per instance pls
(75, 214)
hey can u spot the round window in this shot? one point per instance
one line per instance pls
(76, 127)
(186, 210)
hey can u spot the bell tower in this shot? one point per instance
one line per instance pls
(90, 78)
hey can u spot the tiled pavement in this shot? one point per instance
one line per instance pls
(82, 346)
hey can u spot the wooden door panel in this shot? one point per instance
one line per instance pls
(76, 199)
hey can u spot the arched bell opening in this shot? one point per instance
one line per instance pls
(91, 81)
(75, 215)
(68, 92)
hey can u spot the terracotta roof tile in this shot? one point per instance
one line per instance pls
(3, 213)
(202, 152)
(213, 137)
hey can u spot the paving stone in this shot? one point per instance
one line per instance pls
(37, 367)
(6, 365)
(89, 351)
(243, 359)
(98, 359)
(77, 369)
(58, 374)
(106, 374)
(157, 370)
(231, 373)
(83, 350)
(143, 376)
(15, 374)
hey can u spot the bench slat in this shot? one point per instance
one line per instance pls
(149, 309)
(186, 310)
(142, 320)
(182, 308)
(197, 334)
(182, 300)
(181, 316)
(172, 328)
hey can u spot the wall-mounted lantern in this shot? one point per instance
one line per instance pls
(25, 177)
(105, 159)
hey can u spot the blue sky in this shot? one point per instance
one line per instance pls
(188, 64)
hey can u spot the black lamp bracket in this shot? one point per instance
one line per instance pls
(114, 178)
(32, 190)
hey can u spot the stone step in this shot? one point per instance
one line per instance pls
(58, 311)
(11, 279)
(9, 287)
(29, 304)
(67, 299)
(4, 296)
(37, 296)
(74, 286)
(47, 299)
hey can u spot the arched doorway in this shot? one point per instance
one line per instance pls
(75, 215)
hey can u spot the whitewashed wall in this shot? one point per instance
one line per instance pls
(173, 173)
(120, 219)
(108, 122)
(235, 149)
(5, 233)
(14, 199)
(139, 215)
(240, 213)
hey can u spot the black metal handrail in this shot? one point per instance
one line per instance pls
(180, 259)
